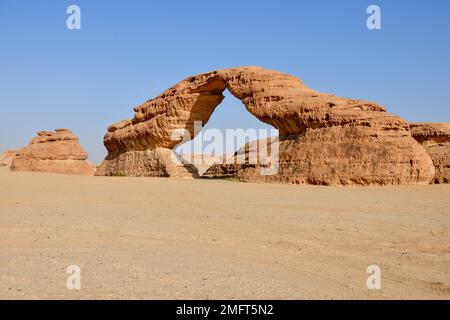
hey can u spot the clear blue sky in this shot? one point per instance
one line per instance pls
(130, 51)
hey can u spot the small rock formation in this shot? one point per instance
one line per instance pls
(6, 158)
(56, 152)
(229, 167)
(324, 139)
(435, 138)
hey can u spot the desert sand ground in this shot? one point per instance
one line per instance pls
(156, 238)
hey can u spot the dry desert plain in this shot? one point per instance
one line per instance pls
(157, 238)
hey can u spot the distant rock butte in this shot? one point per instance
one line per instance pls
(56, 152)
(435, 138)
(324, 139)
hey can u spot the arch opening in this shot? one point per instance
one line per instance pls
(228, 129)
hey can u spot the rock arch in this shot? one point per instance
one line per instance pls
(324, 139)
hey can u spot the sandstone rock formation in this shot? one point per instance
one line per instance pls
(435, 138)
(56, 152)
(324, 139)
(231, 166)
(155, 162)
(6, 158)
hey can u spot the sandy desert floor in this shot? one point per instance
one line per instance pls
(156, 238)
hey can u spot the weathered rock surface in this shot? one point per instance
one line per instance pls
(157, 162)
(324, 139)
(56, 152)
(6, 158)
(435, 138)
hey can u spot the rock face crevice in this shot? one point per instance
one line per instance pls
(55, 152)
(324, 139)
(435, 138)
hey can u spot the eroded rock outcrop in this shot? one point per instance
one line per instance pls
(435, 138)
(56, 152)
(156, 162)
(324, 139)
(6, 158)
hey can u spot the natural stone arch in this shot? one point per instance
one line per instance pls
(324, 139)
(196, 98)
